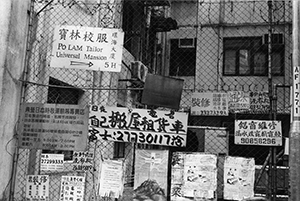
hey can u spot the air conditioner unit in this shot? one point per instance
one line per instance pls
(276, 38)
(186, 43)
(138, 71)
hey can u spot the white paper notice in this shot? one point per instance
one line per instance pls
(72, 188)
(37, 187)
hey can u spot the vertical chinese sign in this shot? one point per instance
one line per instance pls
(82, 161)
(90, 48)
(194, 176)
(258, 132)
(37, 187)
(209, 104)
(138, 125)
(72, 188)
(239, 175)
(151, 170)
(53, 126)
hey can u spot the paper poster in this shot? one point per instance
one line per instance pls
(239, 178)
(82, 161)
(52, 162)
(144, 126)
(111, 179)
(209, 104)
(151, 170)
(238, 101)
(258, 132)
(72, 188)
(37, 187)
(260, 102)
(194, 176)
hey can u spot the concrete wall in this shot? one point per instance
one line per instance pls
(13, 23)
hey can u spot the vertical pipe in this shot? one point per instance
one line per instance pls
(294, 135)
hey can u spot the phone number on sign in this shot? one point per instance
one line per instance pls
(258, 141)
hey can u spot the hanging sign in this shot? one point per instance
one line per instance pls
(258, 132)
(72, 188)
(37, 187)
(138, 125)
(52, 162)
(209, 104)
(238, 178)
(53, 126)
(90, 48)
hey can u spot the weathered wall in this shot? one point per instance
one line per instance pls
(13, 23)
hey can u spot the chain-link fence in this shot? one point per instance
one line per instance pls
(242, 48)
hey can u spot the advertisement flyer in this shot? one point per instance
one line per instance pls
(37, 187)
(151, 168)
(239, 176)
(52, 162)
(111, 179)
(82, 161)
(72, 188)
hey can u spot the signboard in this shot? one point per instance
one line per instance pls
(53, 126)
(259, 102)
(258, 132)
(37, 187)
(296, 93)
(90, 48)
(238, 178)
(194, 176)
(52, 162)
(209, 104)
(151, 168)
(82, 160)
(138, 125)
(111, 179)
(238, 101)
(72, 188)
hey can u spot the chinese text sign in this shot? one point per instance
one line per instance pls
(37, 187)
(90, 48)
(52, 162)
(258, 132)
(138, 125)
(72, 188)
(53, 126)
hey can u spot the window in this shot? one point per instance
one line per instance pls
(248, 56)
(119, 149)
(60, 95)
(183, 57)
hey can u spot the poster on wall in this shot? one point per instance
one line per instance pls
(239, 175)
(258, 132)
(238, 101)
(82, 161)
(194, 176)
(53, 126)
(209, 104)
(111, 179)
(72, 188)
(144, 126)
(37, 187)
(151, 170)
(52, 162)
(259, 102)
(89, 48)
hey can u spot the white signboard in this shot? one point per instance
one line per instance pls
(90, 48)
(82, 160)
(52, 162)
(258, 132)
(238, 178)
(111, 179)
(37, 187)
(72, 188)
(296, 92)
(209, 104)
(238, 100)
(138, 125)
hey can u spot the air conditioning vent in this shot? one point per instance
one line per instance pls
(276, 38)
(186, 43)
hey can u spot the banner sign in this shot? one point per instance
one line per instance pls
(238, 178)
(209, 104)
(82, 160)
(111, 179)
(238, 101)
(258, 132)
(52, 162)
(138, 125)
(53, 126)
(72, 188)
(194, 176)
(37, 187)
(89, 48)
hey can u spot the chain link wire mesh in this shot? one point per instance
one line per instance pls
(215, 46)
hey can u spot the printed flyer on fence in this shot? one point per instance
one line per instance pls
(239, 175)
(37, 187)
(72, 188)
